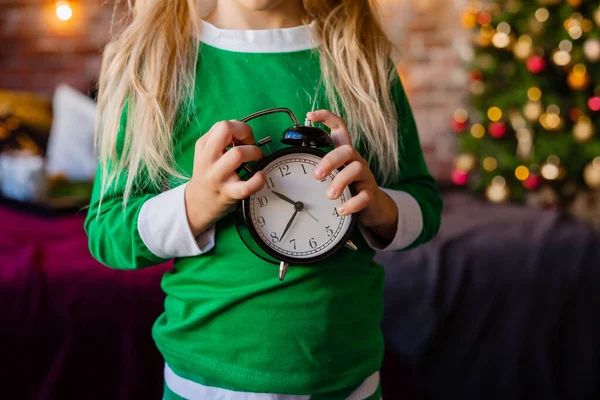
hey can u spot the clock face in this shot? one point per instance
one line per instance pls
(292, 215)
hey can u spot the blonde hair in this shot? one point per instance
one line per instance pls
(137, 76)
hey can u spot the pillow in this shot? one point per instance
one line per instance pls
(25, 121)
(71, 144)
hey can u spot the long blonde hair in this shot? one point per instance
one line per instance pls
(137, 76)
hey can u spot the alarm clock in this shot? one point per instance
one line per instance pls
(291, 221)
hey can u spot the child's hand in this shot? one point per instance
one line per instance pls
(215, 186)
(377, 210)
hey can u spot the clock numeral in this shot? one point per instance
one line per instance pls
(263, 201)
(329, 231)
(274, 237)
(312, 243)
(335, 212)
(303, 169)
(293, 240)
(324, 179)
(270, 183)
(261, 222)
(285, 170)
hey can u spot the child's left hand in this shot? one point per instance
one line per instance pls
(376, 209)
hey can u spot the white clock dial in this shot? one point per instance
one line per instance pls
(317, 228)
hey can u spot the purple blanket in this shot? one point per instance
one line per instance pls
(72, 328)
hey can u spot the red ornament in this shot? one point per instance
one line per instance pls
(594, 103)
(459, 127)
(532, 182)
(536, 64)
(476, 75)
(575, 114)
(460, 178)
(497, 129)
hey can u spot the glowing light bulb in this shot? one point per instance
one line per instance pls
(64, 12)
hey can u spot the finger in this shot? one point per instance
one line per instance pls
(241, 189)
(351, 173)
(223, 133)
(339, 130)
(232, 160)
(356, 203)
(335, 159)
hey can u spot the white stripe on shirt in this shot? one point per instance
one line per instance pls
(195, 391)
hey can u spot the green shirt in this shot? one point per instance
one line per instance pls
(228, 321)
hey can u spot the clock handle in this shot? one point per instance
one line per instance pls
(272, 111)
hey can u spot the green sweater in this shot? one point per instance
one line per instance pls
(228, 321)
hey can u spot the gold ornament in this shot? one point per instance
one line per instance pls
(498, 191)
(533, 110)
(578, 78)
(591, 174)
(597, 16)
(591, 48)
(465, 162)
(490, 164)
(583, 130)
(469, 19)
(524, 47)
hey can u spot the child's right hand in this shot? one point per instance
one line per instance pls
(215, 187)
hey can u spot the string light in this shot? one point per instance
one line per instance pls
(534, 94)
(494, 114)
(542, 14)
(490, 164)
(64, 12)
(522, 172)
(478, 131)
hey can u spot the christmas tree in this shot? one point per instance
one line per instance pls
(532, 128)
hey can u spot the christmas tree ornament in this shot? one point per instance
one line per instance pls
(523, 48)
(457, 126)
(575, 113)
(597, 17)
(532, 182)
(494, 114)
(534, 94)
(533, 110)
(591, 174)
(490, 164)
(524, 144)
(522, 172)
(536, 64)
(591, 49)
(542, 14)
(501, 40)
(550, 171)
(587, 25)
(497, 129)
(578, 78)
(486, 33)
(583, 130)
(477, 87)
(498, 191)
(465, 162)
(561, 58)
(478, 131)
(484, 19)
(469, 18)
(476, 75)
(594, 103)
(459, 177)
(574, 3)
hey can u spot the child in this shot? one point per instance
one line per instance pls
(171, 89)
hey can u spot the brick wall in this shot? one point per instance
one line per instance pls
(37, 51)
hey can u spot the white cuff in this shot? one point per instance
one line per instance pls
(165, 230)
(410, 223)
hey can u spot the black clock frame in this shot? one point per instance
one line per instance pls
(245, 204)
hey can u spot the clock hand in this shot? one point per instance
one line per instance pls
(289, 224)
(282, 197)
(312, 216)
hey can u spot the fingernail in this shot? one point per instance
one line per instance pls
(331, 192)
(341, 210)
(319, 172)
